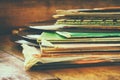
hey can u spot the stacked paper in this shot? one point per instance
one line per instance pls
(79, 36)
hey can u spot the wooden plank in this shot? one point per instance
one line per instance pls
(89, 73)
(11, 61)
(13, 68)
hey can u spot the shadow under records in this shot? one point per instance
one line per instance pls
(61, 65)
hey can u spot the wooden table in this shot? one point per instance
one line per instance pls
(12, 67)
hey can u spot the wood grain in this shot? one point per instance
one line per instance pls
(89, 73)
(12, 66)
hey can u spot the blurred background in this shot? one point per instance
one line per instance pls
(19, 13)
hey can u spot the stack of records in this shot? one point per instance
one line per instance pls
(79, 36)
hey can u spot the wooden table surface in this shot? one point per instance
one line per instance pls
(12, 67)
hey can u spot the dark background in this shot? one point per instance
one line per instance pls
(18, 13)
